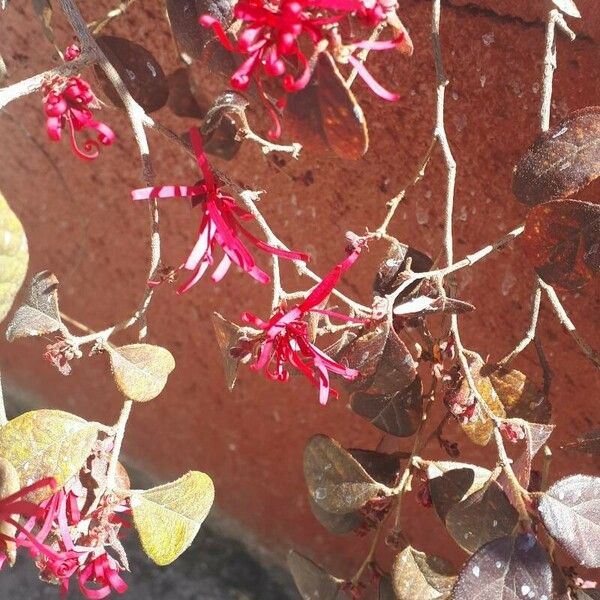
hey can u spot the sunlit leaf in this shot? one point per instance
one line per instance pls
(9, 484)
(336, 481)
(508, 568)
(562, 242)
(416, 575)
(481, 427)
(141, 370)
(14, 256)
(482, 517)
(312, 581)
(3, 70)
(342, 117)
(46, 443)
(139, 70)
(521, 398)
(536, 435)
(398, 414)
(39, 315)
(568, 7)
(570, 510)
(590, 594)
(562, 160)
(169, 516)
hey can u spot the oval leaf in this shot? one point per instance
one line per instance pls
(399, 414)
(47, 443)
(14, 256)
(140, 71)
(169, 516)
(141, 370)
(312, 581)
(484, 516)
(570, 510)
(336, 481)
(416, 575)
(562, 160)
(506, 569)
(9, 484)
(562, 242)
(342, 117)
(39, 315)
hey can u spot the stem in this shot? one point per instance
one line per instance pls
(118, 442)
(3, 419)
(369, 557)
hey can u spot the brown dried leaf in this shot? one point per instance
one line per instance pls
(420, 576)
(386, 590)
(302, 120)
(342, 117)
(382, 359)
(482, 517)
(562, 160)
(506, 569)
(570, 511)
(43, 11)
(398, 414)
(228, 337)
(381, 466)
(181, 101)
(140, 71)
(389, 274)
(480, 429)
(562, 242)
(336, 481)
(9, 484)
(46, 443)
(219, 129)
(140, 370)
(312, 581)
(40, 314)
(536, 435)
(338, 523)
(189, 36)
(588, 442)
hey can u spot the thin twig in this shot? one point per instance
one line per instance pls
(97, 26)
(364, 53)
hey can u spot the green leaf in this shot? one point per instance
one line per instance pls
(46, 443)
(14, 256)
(39, 315)
(169, 516)
(141, 370)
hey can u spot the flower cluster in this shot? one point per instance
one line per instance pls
(286, 338)
(68, 103)
(219, 226)
(67, 537)
(272, 40)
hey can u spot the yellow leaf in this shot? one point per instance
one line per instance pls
(14, 256)
(169, 516)
(9, 484)
(46, 443)
(480, 429)
(141, 370)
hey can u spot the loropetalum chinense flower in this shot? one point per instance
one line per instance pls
(67, 538)
(285, 340)
(67, 103)
(219, 226)
(272, 40)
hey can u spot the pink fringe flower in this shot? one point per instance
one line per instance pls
(286, 338)
(68, 103)
(219, 226)
(270, 41)
(65, 542)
